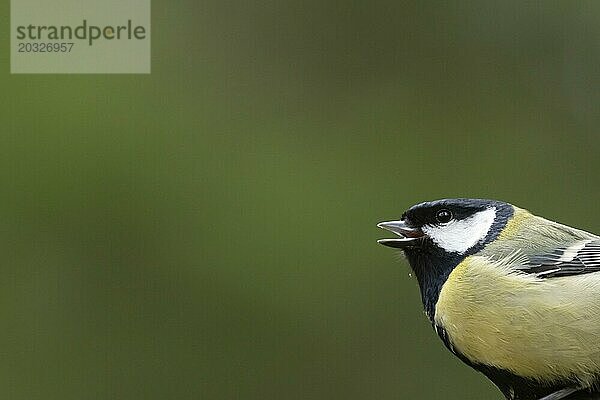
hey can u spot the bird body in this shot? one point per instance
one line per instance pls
(544, 335)
(513, 295)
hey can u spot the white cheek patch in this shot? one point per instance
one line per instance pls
(460, 236)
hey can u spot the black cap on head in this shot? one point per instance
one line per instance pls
(432, 212)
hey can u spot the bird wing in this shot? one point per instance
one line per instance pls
(581, 257)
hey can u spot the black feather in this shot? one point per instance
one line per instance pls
(585, 261)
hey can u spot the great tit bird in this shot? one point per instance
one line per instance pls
(513, 295)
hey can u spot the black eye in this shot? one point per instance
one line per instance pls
(443, 216)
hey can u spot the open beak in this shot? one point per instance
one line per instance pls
(408, 236)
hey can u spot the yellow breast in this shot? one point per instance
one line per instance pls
(545, 329)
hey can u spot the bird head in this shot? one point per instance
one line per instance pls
(452, 226)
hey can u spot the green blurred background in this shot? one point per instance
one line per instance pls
(208, 231)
